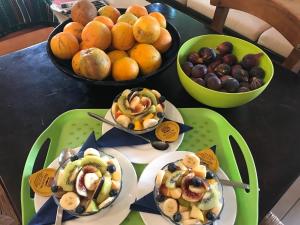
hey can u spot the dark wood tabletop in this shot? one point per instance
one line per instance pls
(33, 92)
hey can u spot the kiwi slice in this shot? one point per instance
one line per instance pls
(209, 200)
(95, 161)
(65, 179)
(184, 203)
(173, 179)
(106, 187)
(92, 207)
(122, 105)
(147, 93)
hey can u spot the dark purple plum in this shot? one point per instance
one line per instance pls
(243, 89)
(208, 75)
(207, 54)
(200, 81)
(187, 68)
(245, 84)
(211, 67)
(257, 72)
(225, 48)
(241, 75)
(255, 83)
(250, 60)
(213, 83)
(222, 69)
(231, 85)
(235, 67)
(224, 78)
(194, 58)
(229, 59)
(199, 71)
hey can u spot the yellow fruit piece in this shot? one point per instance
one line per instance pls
(116, 176)
(200, 171)
(149, 116)
(185, 215)
(209, 158)
(196, 213)
(138, 125)
(125, 69)
(167, 131)
(147, 57)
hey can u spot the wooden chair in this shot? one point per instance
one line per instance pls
(283, 15)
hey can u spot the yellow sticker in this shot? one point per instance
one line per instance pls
(167, 131)
(41, 181)
(209, 158)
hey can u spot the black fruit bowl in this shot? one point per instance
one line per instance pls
(66, 66)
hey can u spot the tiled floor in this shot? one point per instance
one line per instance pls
(23, 39)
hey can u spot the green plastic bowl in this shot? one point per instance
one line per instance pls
(215, 98)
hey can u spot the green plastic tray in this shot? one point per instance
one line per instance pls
(73, 127)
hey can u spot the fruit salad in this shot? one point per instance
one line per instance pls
(186, 192)
(84, 186)
(138, 109)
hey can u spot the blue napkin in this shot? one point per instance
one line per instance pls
(116, 138)
(47, 213)
(145, 204)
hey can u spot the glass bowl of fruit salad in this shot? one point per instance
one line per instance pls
(87, 185)
(186, 192)
(139, 109)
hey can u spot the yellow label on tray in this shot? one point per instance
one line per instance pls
(167, 131)
(41, 181)
(209, 158)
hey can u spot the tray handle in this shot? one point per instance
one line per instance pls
(249, 198)
(27, 205)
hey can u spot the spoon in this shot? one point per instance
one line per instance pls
(159, 145)
(62, 158)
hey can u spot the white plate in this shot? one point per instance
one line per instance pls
(146, 185)
(119, 210)
(144, 154)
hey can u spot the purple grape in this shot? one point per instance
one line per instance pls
(251, 60)
(214, 83)
(231, 85)
(207, 54)
(187, 68)
(211, 67)
(194, 58)
(225, 48)
(222, 69)
(241, 75)
(230, 59)
(257, 72)
(200, 81)
(208, 75)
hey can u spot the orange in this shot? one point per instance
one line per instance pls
(160, 18)
(125, 69)
(122, 36)
(127, 18)
(84, 45)
(116, 54)
(74, 28)
(137, 10)
(76, 63)
(64, 45)
(110, 12)
(146, 30)
(147, 57)
(164, 42)
(96, 34)
(94, 64)
(106, 20)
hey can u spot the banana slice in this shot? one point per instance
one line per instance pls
(170, 207)
(197, 190)
(115, 185)
(106, 202)
(190, 160)
(91, 151)
(91, 181)
(69, 201)
(159, 178)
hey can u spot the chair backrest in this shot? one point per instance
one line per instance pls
(281, 14)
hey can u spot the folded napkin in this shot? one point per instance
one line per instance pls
(47, 213)
(117, 138)
(145, 204)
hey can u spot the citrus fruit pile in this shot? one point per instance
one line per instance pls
(104, 42)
